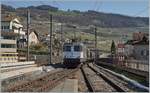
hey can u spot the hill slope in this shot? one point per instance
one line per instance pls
(76, 17)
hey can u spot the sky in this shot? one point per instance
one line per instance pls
(125, 7)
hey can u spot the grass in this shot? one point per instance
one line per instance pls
(105, 35)
(64, 13)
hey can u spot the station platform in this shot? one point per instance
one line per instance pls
(69, 85)
(7, 69)
(11, 64)
(14, 73)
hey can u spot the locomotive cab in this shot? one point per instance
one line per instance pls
(73, 54)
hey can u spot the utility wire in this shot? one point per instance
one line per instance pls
(95, 5)
(142, 11)
(99, 6)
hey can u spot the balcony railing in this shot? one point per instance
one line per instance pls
(8, 41)
(8, 49)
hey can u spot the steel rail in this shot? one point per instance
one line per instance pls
(43, 83)
(89, 85)
(130, 84)
(109, 80)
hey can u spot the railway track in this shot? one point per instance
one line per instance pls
(120, 82)
(94, 82)
(42, 84)
(98, 81)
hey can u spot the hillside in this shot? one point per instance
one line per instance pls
(89, 17)
(110, 26)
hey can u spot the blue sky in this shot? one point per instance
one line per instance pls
(126, 7)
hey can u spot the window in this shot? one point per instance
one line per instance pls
(7, 27)
(77, 48)
(8, 37)
(147, 52)
(142, 52)
(67, 48)
(7, 46)
(2, 27)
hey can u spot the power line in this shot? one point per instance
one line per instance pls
(99, 6)
(55, 2)
(142, 11)
(95, 5)
(42, 2)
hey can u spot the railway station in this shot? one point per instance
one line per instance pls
(44, 48)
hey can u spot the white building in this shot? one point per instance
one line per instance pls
(11, 28)
(137, 55)
(10, 23)
(138, 50)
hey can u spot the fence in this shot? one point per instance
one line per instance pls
(137, 64)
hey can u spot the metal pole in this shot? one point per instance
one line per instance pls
(62, 39)
(74, 35)
(95, 44)
(28, 21)
(50, 61)
(18, 44)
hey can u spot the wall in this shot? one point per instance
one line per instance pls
(128, 51)
(5, 24)
(45, 59)
(137, 51)
(33, 38)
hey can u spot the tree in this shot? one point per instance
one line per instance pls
(113, 48)
(68, 10)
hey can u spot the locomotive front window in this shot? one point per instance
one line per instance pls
(77, 48)
(67, 48)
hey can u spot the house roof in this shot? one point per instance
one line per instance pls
(32, 30)
(134, 42)
(141, 43)
(7, 17)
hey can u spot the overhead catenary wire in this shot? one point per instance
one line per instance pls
(141, 11)
(51, 33)
(99, 6)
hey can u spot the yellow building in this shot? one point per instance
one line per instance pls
(8, 50)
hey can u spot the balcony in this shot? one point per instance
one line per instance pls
(8, 33)
(8, 50)
(8, 41)
(19, 32)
